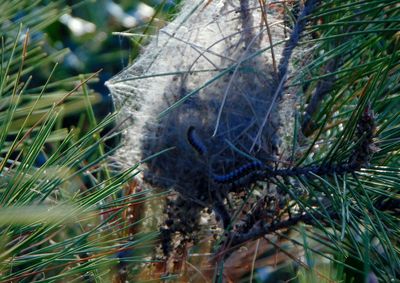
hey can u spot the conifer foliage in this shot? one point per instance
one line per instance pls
(326, 209)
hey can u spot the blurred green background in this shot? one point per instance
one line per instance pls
(63, 204)
(90, 32)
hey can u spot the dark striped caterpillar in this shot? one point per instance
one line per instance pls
(323, 169)
(195, 142)
(238, 173)
(365, 133)
(264, 171)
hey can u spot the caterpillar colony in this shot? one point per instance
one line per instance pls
(212, 92)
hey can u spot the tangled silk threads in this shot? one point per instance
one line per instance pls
(210, 54)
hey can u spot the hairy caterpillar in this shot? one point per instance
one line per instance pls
(195, 142)
(238, 173)
(264, 171)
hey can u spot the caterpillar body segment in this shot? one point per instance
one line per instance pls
(195, 141)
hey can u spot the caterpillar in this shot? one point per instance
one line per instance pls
(323, 169)
(238, 173)
(222, 213)
(195, 142)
